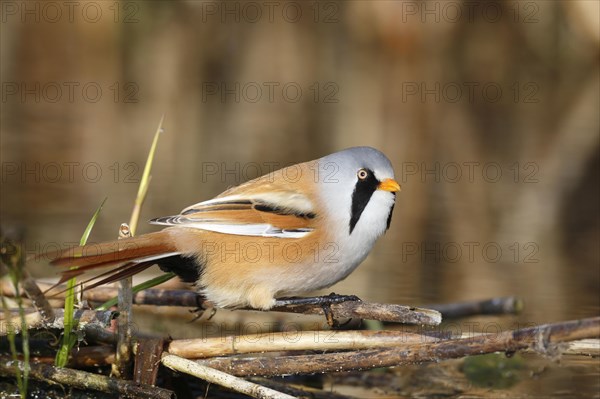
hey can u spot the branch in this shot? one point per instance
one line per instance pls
(148, 352)
(360, 310)
(220, 378)
(324, 340)
(372, 311)
(34, 320)
(541, 339)
(584, 347)
(37, 297)
(92, 356)
(84, 380)
(121, 368)
(298, 390)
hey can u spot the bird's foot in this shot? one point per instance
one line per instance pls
(324, 302)
(202, 307)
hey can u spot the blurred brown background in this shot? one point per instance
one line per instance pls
(488, 111)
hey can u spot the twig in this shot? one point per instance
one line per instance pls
(298, 390)
(541, 339)
(98, 333)
(122, 366)
(152, 296)
(161, 297)
(37, 297)
(34, 320)
(494, 306)
(373, 311)
(80, 356)
(585, 347)
(84, 380)
(148, 352)
(11, 256)
(220, 378)
(363, 310)
(293, 341)
(103, 355)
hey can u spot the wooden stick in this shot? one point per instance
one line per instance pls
(121, 368)
(84, 380)
(373, 311)
(584, 347)
(154, 296)
(220, 378)
(34, 320)
(37, 297)
(102, 355)
(396, 313)
(80, 356)
(539, 338)
(494, 306)
(325, 340)
(98, 333)
(148, 352)
(360, 310)
(298, 390)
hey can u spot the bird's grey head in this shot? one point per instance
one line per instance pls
(358, 189)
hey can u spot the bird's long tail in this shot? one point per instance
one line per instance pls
(132, 255)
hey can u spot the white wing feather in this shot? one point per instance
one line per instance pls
(281, 200)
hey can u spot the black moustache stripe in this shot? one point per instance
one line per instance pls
(389, 219)
(363, 191)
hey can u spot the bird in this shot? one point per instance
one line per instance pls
(298, 229)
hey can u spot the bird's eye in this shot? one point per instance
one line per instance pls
(362, 174)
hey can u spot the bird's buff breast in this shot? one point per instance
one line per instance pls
(252, 271)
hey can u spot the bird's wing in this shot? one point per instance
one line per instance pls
(269, 213)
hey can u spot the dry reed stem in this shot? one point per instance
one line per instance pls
(323, 340)
(33, 319)
(542, 339)
(85, 381)
(220, 378)
(351, 309)
(121, 368)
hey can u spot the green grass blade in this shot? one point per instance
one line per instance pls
(14, 261)
(145, 182)
(135, 214)
(69, 337)
(12, 335)
(91, 224)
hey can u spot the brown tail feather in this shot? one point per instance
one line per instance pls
(128, 271)
(125, 252)
(97, 255)
(115, 274)
(66, 275)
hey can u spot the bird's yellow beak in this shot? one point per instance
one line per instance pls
(390, 185)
